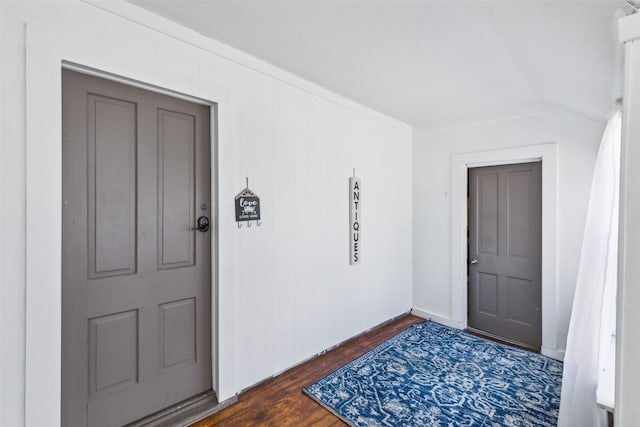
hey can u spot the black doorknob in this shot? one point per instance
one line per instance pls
(203, 224)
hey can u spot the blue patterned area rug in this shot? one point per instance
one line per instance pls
(433, 375)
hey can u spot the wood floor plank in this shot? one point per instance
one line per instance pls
(280, 401)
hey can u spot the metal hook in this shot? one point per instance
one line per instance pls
(249, 224)
(239, 224)
(259, 223)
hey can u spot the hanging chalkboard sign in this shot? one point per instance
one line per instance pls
(247, 207)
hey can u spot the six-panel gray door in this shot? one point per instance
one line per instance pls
(505, 229)
(136, 319)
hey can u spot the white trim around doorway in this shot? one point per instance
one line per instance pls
(47, 53)
(460, 164)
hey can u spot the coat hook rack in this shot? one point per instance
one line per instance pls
(247, 205)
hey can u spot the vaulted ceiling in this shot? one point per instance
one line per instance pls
(427, 61)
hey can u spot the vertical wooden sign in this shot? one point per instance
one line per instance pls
(355, 215)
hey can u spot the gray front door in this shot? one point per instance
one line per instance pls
(136, 310)
(505, 231)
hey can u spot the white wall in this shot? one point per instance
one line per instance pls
(2, 330)
(577, 140)
(12, 225)
(627, 410)
(295, 293)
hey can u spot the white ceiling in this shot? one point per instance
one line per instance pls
(427, 61)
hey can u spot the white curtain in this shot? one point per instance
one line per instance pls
(593, 314)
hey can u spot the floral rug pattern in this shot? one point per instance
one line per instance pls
(433, 375)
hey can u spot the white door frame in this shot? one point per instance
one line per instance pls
(47, 51)
(460, 164)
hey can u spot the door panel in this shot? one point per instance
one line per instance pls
(113, 352)
(111, 155)
(176, 145)
(505, 239)
(136, 323)
(488, 205)
(487, 294)
(519, 214)
(519, 293)
(177, 332)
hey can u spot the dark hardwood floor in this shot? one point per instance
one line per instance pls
(281, 402)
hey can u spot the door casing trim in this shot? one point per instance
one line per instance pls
(460, 164)
(46, 54)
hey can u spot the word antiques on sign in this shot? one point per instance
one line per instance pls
(247, 207)
(355, 214)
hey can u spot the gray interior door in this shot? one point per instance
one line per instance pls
(136, 319)
(505, 233)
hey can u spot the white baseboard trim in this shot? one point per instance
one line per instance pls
(314, 356)
(425, 314)
(552, 353)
